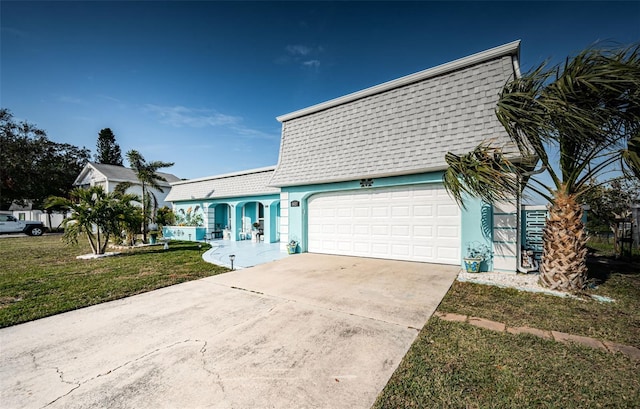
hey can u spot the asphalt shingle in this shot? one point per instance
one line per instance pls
(402, 130)
(248, 183)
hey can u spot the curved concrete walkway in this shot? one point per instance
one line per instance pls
(247, 253)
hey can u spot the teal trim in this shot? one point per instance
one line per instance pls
(189, 233)
(477, 227)
(236, 204)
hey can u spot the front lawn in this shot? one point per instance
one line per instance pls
(457, 365)
(40, 276)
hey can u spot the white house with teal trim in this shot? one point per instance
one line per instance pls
(230, 204)
(109, 176)
(361, 175)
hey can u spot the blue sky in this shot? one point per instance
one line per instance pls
(201, 83)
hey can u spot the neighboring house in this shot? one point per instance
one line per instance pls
(52, 220)
(109, 176)
(361, 175)
(232, 203)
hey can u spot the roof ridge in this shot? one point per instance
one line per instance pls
(225, 175)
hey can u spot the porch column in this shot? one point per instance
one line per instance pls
(271, 218)
(266, 223)
(236, 221)
(210, 218)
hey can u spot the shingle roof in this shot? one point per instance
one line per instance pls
(246, 183)
(116, 173)
(401, 127)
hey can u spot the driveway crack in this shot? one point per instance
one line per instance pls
(110, 371)
(216, 375)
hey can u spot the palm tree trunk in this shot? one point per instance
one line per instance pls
(144, 213)
(91, 243)
(564, 251)
(104, 244)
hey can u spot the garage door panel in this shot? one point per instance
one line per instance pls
(344, 212)
(344, 229)
(379, 211)
(378, 248)
(345, 246)
(400, 231)
(401, 249)
(361, 211)
(360, 247)
(447, 231)
(422, 210)
(448, 210)
(450, 254)
(416, 223)
(423, 232)
(400, 211)
(379, 230)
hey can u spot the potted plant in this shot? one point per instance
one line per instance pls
(292, 247)
(476, 254)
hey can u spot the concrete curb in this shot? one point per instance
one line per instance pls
(630, 351)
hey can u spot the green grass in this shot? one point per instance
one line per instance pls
(618, 321)
(457, 365)
(605, 247)
(40, 276)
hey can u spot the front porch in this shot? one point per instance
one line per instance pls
(248, 219)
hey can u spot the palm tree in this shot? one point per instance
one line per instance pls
(571, 123)
(94, 213)
(149, 178)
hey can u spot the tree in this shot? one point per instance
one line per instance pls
(587, 110)
(165, 216)
(108, 150)
(608, 202)
(96, 214)
(146, 172)
(32, 167)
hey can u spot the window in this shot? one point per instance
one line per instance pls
(22, 216)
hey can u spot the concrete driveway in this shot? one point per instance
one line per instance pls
(308, 331)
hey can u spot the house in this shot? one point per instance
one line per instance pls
(231, 204)
(109, 176)
(50, 220)
(361, 175)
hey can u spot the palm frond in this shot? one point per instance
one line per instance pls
(484, 172)
(631, 157)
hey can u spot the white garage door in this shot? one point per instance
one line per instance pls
(415, 223)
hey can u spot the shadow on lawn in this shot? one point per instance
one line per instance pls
(601, 267)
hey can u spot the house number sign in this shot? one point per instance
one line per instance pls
(295, 203)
